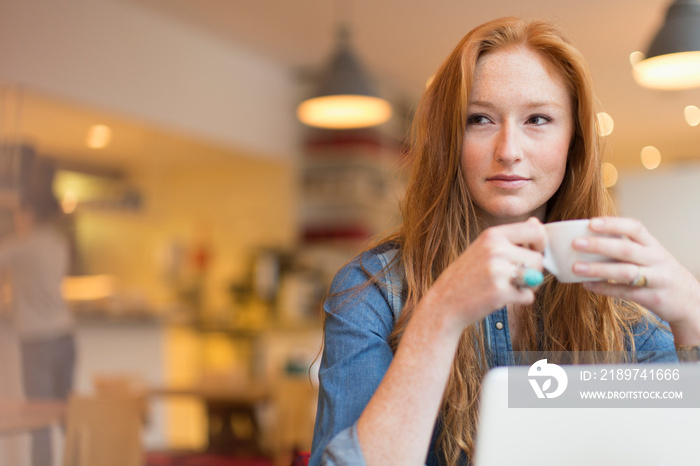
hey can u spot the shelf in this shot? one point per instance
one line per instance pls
(351, 186)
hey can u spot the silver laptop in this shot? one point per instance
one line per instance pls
(611, 423)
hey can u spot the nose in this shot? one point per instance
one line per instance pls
(508, 146)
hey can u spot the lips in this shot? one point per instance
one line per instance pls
(508, 181)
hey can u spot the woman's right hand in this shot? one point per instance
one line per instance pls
(478, 282)
(481, 279)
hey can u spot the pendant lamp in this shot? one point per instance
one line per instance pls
(344, 98)
(673, 59)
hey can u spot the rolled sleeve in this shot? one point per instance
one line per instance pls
(356, 356)
(654, 342)
(344, 449)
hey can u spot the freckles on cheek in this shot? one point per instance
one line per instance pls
(557, 170)
(472, 154)
(557, 156)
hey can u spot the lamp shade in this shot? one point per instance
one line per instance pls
(673, 58)
(344, 98)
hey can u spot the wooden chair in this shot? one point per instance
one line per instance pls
(117, 384)
(294, 400)
(103, 432)
(120, 386)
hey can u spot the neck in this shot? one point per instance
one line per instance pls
(488, 220)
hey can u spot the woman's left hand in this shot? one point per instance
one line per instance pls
(669, 290)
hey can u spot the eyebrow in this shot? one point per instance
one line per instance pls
(535, 104)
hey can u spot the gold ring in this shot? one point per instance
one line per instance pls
(640, 280)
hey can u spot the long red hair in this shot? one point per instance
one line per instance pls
(439, 220)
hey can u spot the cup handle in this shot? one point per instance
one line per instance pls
(548, 262)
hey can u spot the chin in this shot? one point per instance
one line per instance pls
(511, 214)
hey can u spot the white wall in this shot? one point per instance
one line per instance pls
(667, 201)
(119, 56)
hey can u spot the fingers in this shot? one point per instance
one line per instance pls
(618, 273)
(511, 286)
(522, 257)
(621, 226)
(524, 296)
(526, 277)
(520, 284)
(620, 290)
(505, 275)
(490, 265)
(626, 240)
(518, 243)
(481, 279)
(530, 234)
(619, 248)
(639, 262)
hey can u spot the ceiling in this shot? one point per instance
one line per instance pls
(402, 42)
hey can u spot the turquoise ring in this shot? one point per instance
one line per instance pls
(525, 277)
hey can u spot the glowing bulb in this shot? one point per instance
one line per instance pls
(609, 174)
(692, 115)
(651, 157)
(605, 124)
(344, 111)
(669, 72)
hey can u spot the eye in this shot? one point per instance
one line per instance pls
(538, 119)
(478, 119)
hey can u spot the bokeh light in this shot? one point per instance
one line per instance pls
(606, 124)
(692, 115)
(609, 174)
(651, 157)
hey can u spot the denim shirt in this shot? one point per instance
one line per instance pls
(359, 320)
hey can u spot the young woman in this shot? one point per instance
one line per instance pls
(504, 140)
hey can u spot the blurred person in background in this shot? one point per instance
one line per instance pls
(36, 258)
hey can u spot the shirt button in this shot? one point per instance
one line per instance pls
(499, 325)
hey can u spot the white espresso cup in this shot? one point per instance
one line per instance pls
(559, 255)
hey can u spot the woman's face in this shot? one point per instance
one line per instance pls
(519, 127)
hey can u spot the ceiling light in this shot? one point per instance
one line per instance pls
(651, 157)
(692, 115)
(609, 174)
(344, 98)
(673, 58)
(606, 124)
